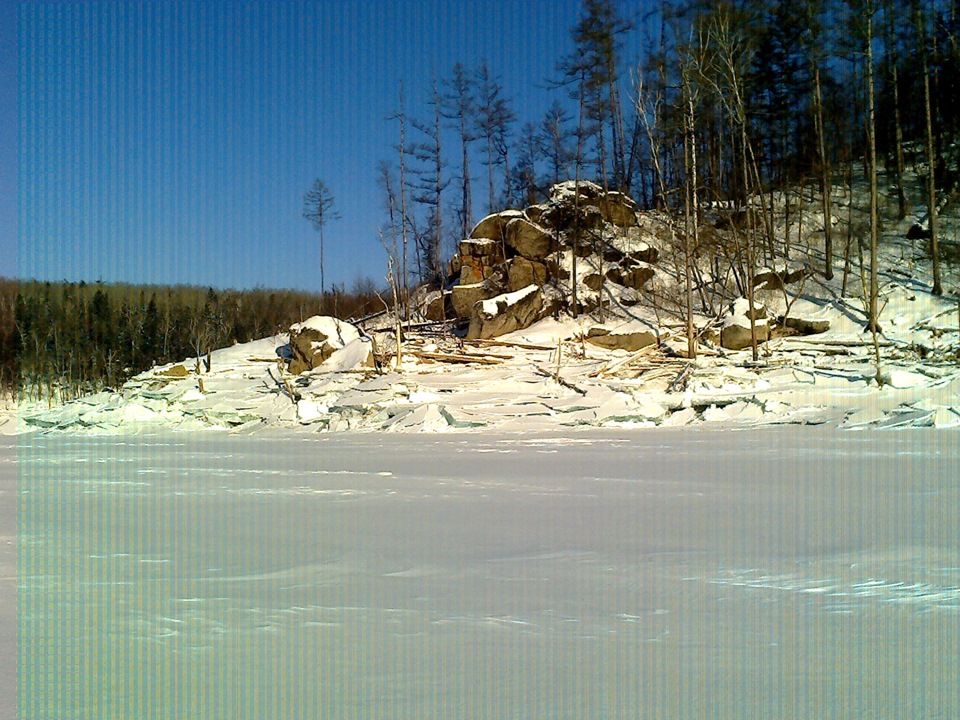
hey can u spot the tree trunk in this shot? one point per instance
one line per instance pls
(403, 209)
(931, 176)
(874, 211)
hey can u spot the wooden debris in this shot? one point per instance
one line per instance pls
(556, 377)
(454, 358)
(624, 362)
(505, 343)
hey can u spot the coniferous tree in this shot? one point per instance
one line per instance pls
(592, 70)
(494, 119)
(459, 105)
(556, 137)
(428, 191)
(319, 210)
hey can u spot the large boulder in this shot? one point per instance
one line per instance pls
(618, 209)
(506, 313)
(735, 334)
(482, 247)
(807, 326)
(316, 339)
(644, 253)
(464, 297)
(619, 339)
(477, 258)
(492, 225)
(634, 277)
(529, 240)
(567, 192)
(522, 272)
(593, 281)
(436, 307)
(637, 277)
(474, 270)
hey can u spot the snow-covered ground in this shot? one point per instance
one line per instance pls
(769, 573)
(523, 386)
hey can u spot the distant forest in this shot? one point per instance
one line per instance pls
(62, 340)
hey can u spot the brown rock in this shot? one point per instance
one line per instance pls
(613, 340)
(637, 277)
(645, 254)
(529, 240)
(807, 327)
(737, 336)
(593, 281)
(618, 209)
(435, 307)
(535, 213)
(522, 272)
(472, 272)
(482, 247)
(505, 313)
(492, 225)
(465, 296)
(316, 339)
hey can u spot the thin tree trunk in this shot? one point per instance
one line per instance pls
(690, 220)
(931, 179)
(403, 209)
(874, 210)
(576, 205)
(466, 197)
(825, 182)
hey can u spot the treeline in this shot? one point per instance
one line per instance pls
(725, 100)
(63, 340)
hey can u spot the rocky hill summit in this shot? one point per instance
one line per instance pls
(585, 250)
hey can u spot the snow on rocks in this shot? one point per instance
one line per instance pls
(316, 339)
(505, 313)
(736, 333)
(630, 336)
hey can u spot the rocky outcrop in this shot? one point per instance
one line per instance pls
(506, 313)
(512, 250)
(477, 259)
(618, 209)
(316, 339)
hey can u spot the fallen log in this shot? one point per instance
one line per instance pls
(454, 358)
(505, 343)
(556, 377)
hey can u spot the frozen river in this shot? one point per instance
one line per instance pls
(776, 573)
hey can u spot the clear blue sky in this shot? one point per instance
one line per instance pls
(172, 142)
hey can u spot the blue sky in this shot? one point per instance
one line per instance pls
(172, 142)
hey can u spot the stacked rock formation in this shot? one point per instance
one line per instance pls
(518, 266)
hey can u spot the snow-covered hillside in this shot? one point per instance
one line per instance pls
(621, 364)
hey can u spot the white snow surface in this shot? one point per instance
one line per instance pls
(529, 388)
